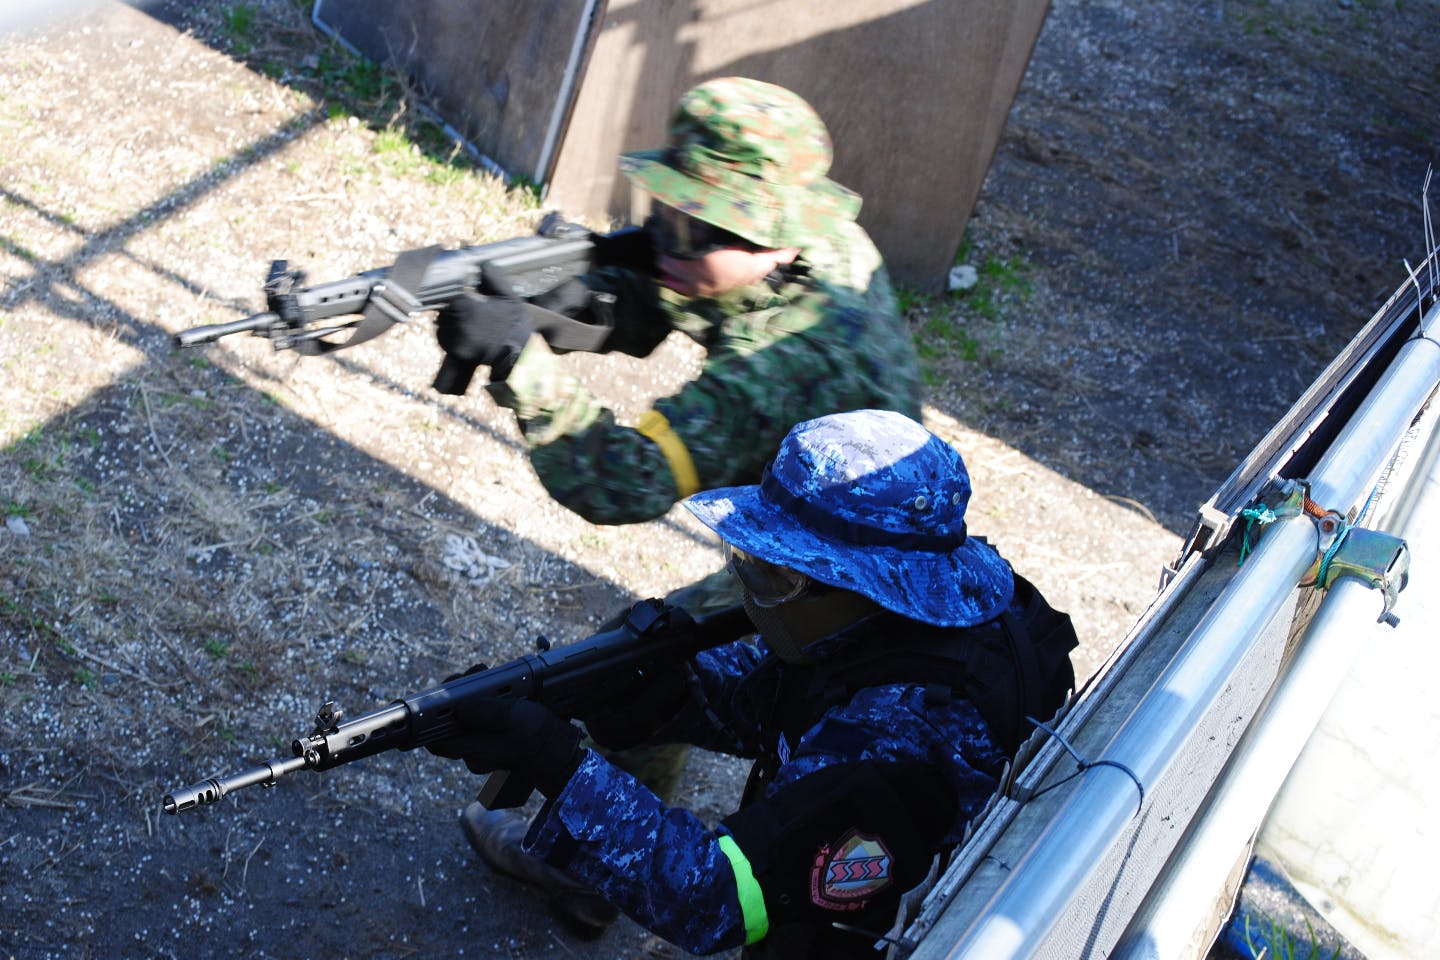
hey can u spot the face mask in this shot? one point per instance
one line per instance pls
(773, 627)
(820, 611)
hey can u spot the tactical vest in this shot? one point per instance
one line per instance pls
(1010, 668)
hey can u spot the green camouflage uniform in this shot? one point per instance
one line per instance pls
(821, 336)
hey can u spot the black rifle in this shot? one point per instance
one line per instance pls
(419, 280)
(577, 680)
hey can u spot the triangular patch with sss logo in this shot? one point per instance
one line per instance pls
(849, 872)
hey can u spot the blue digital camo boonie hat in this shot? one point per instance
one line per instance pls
(868, 501)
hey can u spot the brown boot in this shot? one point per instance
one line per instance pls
(496, 836)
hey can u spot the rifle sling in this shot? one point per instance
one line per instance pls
(390, 302)
(566, 333)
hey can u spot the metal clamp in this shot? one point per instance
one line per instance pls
(1379, 559)
(1285, 499)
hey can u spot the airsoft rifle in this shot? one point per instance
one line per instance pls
(370, 303)
(583, 679)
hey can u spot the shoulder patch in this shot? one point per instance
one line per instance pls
(849, 872)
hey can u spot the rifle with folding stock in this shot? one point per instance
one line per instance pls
(583, 679)
(305, 318)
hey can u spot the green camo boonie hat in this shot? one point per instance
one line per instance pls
(749, 157)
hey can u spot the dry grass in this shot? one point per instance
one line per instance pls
(198, 548)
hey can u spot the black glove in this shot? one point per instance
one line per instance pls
(631, 248)
(643, 712)
(474, 329)
(522, 736)
(569, 298)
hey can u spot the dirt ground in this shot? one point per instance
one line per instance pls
(1193, 207)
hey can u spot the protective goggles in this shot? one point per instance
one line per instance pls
(683, 237)
(768, 584)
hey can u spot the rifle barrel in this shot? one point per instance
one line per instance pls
(211, 332)
(573, 680)
(213, 789)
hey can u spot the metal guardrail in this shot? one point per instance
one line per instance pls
(1105, 846)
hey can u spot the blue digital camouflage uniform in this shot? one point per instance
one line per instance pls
(667, 869)
(877, 736)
